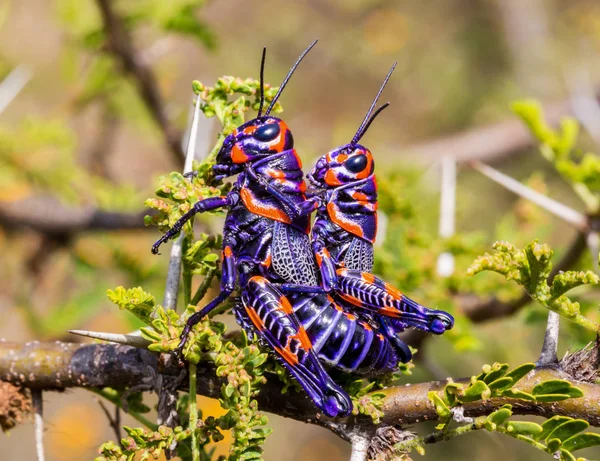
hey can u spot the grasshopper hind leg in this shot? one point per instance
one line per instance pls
(269, 313)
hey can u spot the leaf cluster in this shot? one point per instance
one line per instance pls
(496, 381)
(559, 435)
(530, 268)
(581, 170)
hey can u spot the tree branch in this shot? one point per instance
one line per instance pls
(487, 143)
(57, 366)
(46, 214)
(121, 45)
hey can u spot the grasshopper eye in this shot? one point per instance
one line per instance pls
(357, 163)
(267, 132)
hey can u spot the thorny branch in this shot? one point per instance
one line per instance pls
(57, 366)
(121, 45)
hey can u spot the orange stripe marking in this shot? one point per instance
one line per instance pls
(287, 355)
(261, 209)
(256, 320)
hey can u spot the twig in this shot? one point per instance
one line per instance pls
(486, 143)
(118, 403)
(115, 423)
(564, 212)
(46, 214)
(439, 436)
(203, 288)
(12, 85)
(194, 413)
(103, 143)
(550, 346)
(583, 101)
(121, 45)
(38, 406)
(593, 243)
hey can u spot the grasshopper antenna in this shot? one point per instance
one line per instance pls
(288, 76)
(368, 119)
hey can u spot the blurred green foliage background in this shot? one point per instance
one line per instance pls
(84, 142)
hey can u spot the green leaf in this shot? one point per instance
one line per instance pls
(550, 424)
(554, 386)
(581, 441)
(523, 428)
(500, 416)
(229, 390)
(500, 383)
(565, 281)
(520, 371)
(450, 392)
(553, 445)
(568, 429)
(440, 407)
(134, 300)
(498, 370)
(476, 391)
(251, 453)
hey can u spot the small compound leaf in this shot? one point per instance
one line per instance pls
(251, 453)
(523, 428)
(520, 371)
(557, 386)
(550, 424)
(581, 441)
(498, 370)
(440, 406)
(569, 429)
(565, 281)
(229, 390)
(500, 383)
(500, 416)
(476, 391)
(553, 445)
(450, 392)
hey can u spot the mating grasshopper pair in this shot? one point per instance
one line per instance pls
(308, 296)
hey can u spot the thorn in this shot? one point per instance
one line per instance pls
(128, 339)
(173, 274)
(38, 405)
(12, 85)
(445, 262)
(564, 212)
